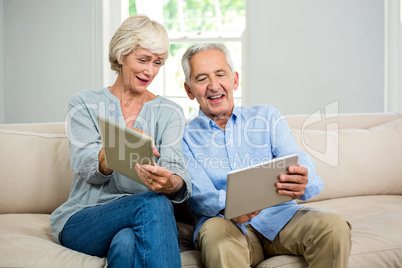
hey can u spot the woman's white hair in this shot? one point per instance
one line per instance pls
(191, 51)
(137, 31)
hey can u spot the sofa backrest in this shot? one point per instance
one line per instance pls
(318, 121)
(35, 171)
(352, 157)
(354, 154)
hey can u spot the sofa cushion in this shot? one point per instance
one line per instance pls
(355, 161)
(376, 228)
(26, 241)
(35, 171)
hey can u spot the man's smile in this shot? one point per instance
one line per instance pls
(215, 97)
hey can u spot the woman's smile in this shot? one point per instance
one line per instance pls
(143, 81)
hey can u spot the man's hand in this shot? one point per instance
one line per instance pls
(294, 183)
(244, 218)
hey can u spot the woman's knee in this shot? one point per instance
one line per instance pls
(160, 204)
(151, 201)
(157, 211)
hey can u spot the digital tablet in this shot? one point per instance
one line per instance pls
(124, 148)
(253, 188)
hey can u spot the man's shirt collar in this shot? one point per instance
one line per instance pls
(208, 123)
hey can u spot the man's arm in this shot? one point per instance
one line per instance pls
(205, 200)
(302, 182)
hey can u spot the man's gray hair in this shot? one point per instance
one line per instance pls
(191, 51)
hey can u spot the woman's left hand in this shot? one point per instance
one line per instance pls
(159, 179)
(156, 153)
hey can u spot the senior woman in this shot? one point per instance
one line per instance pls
(108, 214)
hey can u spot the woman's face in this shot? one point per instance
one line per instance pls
(139, 68)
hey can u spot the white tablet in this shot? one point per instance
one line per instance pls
(124, 148)
(253, 188)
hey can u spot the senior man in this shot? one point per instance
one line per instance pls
(224, 137)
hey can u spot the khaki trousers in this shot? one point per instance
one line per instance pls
(322, 237)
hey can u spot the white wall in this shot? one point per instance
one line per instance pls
(305, 55)
(393, 56)
(1, 66)
(53, 49)
(300, 56)
(47, 57)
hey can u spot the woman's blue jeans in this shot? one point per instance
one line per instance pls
(134, 231)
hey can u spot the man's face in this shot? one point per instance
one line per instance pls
(212, 83)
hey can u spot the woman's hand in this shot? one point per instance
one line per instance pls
(102, 164)
(156, 153)
(159, 179)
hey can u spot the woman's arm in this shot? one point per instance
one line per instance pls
(169, 175)
(86, 154)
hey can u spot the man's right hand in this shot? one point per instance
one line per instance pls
(246, 217)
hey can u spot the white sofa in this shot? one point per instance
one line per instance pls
(359, 157)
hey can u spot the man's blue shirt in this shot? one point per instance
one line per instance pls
(252, 135)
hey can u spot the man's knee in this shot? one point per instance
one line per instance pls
(335, 223)
(340, 229)
(327, 238)
(219, 234)
(334, 226)
(222, 244)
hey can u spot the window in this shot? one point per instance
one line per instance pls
(189, 22)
